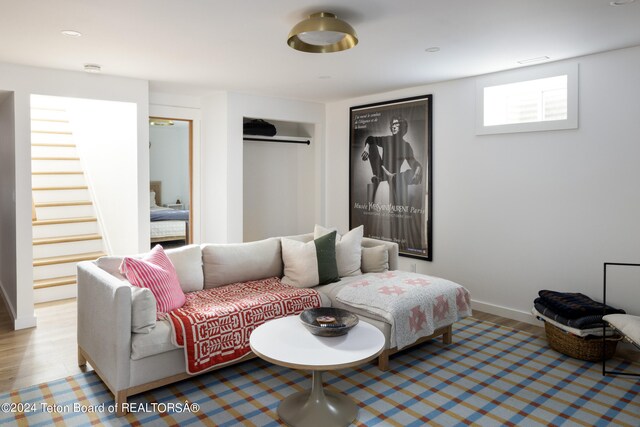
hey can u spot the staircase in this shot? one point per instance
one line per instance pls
(65, 227)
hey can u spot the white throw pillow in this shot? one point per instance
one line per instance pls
(375, 259)
(348, 249)
(143, 310)
(310, 264)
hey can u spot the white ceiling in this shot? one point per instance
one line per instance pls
(192, 47)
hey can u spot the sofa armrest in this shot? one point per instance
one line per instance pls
(104, 323)
(392, 250)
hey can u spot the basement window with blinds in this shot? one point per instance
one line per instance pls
(529, 100)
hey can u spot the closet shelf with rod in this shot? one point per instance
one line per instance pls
(287, 140)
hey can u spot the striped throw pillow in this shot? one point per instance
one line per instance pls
(156, 273)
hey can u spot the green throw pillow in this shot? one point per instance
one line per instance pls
(310, 264)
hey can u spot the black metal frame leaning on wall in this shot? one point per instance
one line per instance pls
(604, 325)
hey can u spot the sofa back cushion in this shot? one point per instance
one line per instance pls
(187, 261)
(227, 263)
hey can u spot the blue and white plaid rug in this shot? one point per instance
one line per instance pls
(491, 375)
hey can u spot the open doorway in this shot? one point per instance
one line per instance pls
(78, 209)
(171, 181)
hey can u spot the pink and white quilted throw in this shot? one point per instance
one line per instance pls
(214, 325)
(415, 305)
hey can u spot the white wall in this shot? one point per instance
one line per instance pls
(24, 81)
(223, 157)
(214, 162)
(7, 203)
(516, 213)
(106, 137)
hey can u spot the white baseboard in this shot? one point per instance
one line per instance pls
(509, 313)
(25, 322)
(5, 300)
(18, 322)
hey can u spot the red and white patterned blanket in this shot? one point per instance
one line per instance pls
(214, 325)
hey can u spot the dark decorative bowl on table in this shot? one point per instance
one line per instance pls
(328, 321)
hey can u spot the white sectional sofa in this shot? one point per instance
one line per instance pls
(132, 352)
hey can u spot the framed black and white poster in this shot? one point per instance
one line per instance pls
(390, 173)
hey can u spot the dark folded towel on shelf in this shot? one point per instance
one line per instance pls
(586, 322)
(258, 127)
(574, 305)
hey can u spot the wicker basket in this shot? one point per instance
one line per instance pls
(589, 348)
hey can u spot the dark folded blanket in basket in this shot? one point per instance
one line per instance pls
(573, 305)
(586, 322)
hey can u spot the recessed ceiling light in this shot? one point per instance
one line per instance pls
(432, 49)
(92, 68)
(620, 2)
(534, 60)
(71, 33)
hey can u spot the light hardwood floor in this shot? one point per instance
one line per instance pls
(36, 355)
(48, 352)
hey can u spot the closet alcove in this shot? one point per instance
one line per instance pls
(279, 181)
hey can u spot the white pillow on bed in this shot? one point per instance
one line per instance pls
(152, 199)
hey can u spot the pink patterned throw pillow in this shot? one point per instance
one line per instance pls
(155, 272)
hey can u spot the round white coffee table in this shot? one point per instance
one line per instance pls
(286, 342)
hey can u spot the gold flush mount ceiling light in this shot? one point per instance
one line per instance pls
(322, 32)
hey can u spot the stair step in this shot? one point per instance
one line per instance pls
(50, 139)
(53, 132)
(42, 144)
(55, 158)
(56, 281)
(64, 220)
(66, 179)
(58, 204)
(57, 173)
(47, 109)
(50, 120)
(43, 165)
(66, 239)
(67, 258)
(70, 187)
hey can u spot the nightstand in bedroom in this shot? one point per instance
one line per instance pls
(178, 206)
